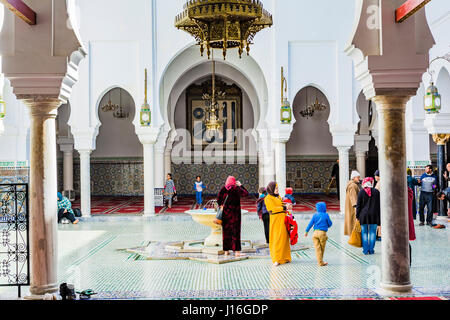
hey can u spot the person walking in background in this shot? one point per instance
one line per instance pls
(263, 213)
(65, 210)
(335, 176)
(199, 187)
(279, 244)
(351, 198)
(229, 199)
(412, 184)
(169, 190)
(321, 222)
(428, 182)
(377, 179)
(368, 214)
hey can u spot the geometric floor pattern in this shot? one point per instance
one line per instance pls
(88, 258)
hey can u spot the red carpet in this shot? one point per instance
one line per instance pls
(135, 205)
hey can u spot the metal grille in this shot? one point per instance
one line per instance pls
(14, 236)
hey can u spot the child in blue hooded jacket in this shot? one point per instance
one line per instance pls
(321, 222)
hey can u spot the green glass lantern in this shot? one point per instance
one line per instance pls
(432, 99)
(286, 112)
(2, 108)
(146, 114)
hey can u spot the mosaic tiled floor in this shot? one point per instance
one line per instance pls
(88, 258)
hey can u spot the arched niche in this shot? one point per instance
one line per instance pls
(311, 137)
(117, 137)
(310, 152)
(189, 59)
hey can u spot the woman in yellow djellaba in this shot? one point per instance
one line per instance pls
(280, 247)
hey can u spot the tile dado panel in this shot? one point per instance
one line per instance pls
(14, 175)
(214, 176)
(110, 177)
(125, 177)
(311, 176)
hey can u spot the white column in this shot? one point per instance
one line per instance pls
(280, 165)
(361, 162)
(167, 162)
(159, 166)
(149, 180)
(85, 182)
(361, 148)
(43, 190)
(344, 173)
(67, 150)
(261, 169)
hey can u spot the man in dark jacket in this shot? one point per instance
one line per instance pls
(369, 215)
(263, 213)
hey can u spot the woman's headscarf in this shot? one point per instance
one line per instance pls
(59, 196)
(409, 172)
(271, 189)
(231, 182)
(368, 185)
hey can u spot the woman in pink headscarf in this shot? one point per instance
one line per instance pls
(368, 214)
(230, 199)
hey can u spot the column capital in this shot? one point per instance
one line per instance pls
(281, 135)
(344, 148)
(149, 136)
(437, 123)
(84, 152)
(41, 105)
(393, 99)
(441, 139)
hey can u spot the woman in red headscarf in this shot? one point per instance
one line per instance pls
(368, 214)
(230, 199)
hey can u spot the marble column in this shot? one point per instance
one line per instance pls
(344, 173)
(441, 140)
(43, 190)
(159, 166)
(395, 269)
(85, 182)
(149, 179)
(280, 165)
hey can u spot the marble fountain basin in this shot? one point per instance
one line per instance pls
(206, 218)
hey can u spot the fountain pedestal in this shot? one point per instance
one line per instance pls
(206, 218)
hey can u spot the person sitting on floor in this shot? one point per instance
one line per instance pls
(65, 210)
(289, 195)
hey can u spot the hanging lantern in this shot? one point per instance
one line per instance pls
(2, 108)
(286, 110)
(432, 99)
(146, 114)
(223, 24)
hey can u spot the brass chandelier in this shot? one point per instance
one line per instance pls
(310, 110)
(223, 24)
(212, 108)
